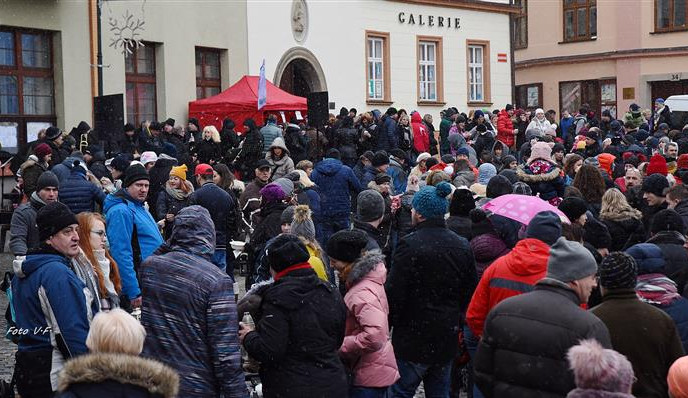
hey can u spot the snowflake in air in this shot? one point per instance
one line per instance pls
(127, 35)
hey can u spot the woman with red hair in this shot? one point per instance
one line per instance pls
(93, 243)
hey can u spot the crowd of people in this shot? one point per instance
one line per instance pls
(372, 262)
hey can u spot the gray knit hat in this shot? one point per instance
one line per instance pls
(570, 261)
(287, 216)
(370, 205)
(302, 225)
(286, 184)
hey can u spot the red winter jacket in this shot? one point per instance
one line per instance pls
(505, 129)
(421, 139)
(510, 275)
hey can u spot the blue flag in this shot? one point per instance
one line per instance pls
(262, 89)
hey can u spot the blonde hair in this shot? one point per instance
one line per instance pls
(116, 332)
(214, 134)
(304, 180)
(616, 207)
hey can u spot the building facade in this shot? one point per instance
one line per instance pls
(420, 55)
(605, 53)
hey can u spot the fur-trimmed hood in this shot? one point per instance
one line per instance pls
(367, 267)
(524, 176)
(126, 369)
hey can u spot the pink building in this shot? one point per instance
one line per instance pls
(606, 53)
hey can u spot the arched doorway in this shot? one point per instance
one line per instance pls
(299, 73)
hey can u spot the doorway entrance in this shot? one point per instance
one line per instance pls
(300, 73)
(667, 88)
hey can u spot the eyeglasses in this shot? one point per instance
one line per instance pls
(98, 232)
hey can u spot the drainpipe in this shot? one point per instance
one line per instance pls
(99, 56)
(511, 54)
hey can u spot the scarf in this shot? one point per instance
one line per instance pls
(84, 271)
(178, 194)
(656, 289)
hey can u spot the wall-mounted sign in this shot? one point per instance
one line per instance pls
(501, 57)
(628, 93)
(429, 20)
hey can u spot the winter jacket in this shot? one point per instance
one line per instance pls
(129, 144)
(565, 123)
(270, 132)
(544, 178)
(98, 168)
(484, 142)
(189, 311)
(23, 228)
(486, 249)
(55, 308)
(535, 329)
(296, 142)
(79, 194)
(252, 191)
(337, 183)
(59, 154)
(682, 210)
(430, 283)
(309, 196)
(387, 138)
(461, 226)
(103, 375)
(537, 127)
(404, 135)
(672, 244)
(208, 151)
(221, 208)
(159, 175)
(625, 232)
(505, 129)
(298, 337)
(251, 151)
(122, 214)
(404, 222)
(464, 178)
(280, 167)
(579, 121)
(345, 141)
(369, 173)
(635, 118)
(510, 275)
(375, 239)
(445, 125)
(421, 137)
(30, 171)
(645, 335)
(398, 174)
(169, 204)
(367, 350)
(64, 169)
(150, 142)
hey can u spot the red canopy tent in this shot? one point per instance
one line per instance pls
(240, 102)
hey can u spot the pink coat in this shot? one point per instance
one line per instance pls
(367, 348)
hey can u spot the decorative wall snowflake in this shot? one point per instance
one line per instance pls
(127, 35)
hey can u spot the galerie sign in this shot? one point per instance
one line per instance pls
(429, 20)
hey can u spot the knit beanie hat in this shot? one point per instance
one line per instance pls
(42, 150)
(287, 216)
(655, 184)
(462, 202)
(120, 163)
(541, 150)
(370, 205)
(52, 218)
(498, 186)
(47, 179)
(421, 157)
(545, 226)
(135, 172)
(431, 202)
(573, 207)
(596, 234)
(179, 172)
(521, 188)
(485, 172)
(286, 185)
(618, 271)
(597, 368)
(606, 160)
(272, 193)
(648, 257)
(682, 161)
(148, 157)
(382, 178)
(667, 220)
(52, 133)
(510, 175)
(347, 245)
(678, 378)
(570, 261)
(658, 165)
(302, 225)
(286, 250)
(380, 158)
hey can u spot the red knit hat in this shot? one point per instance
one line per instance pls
(42, 150)
(658, 165)
(682, 162)
(606, 160)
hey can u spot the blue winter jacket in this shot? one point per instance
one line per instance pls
(369, 173)
(45, 285)
(387, 138)
(80, 194)
(121, 213)
(190, 314)
(396, 171)
(269, 132)
(63, 170)
(337, 182)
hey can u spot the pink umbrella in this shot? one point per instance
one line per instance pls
(521, 208)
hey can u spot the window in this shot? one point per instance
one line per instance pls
(478, 71)
(207, 72)
(140, 78)
(580, 20)
(520, 22)
(26, 84)
(430, 80)
(670, 15)
(529, 96)
(599, 95)
(377, 67)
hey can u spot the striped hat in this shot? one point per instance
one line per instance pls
(618, 271)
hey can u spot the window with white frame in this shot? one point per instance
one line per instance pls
(476, 73)
(375, 68)
(428, 71)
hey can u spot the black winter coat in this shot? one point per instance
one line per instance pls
(167, 204)
(625, 232)
(298, 337)
(430, 284)
(296, 143)
(222, 210)
(345, 142)
(461, 226)
(159, 174)
(525, 341)
(676, 256)
(208, 151)
(375, 239)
